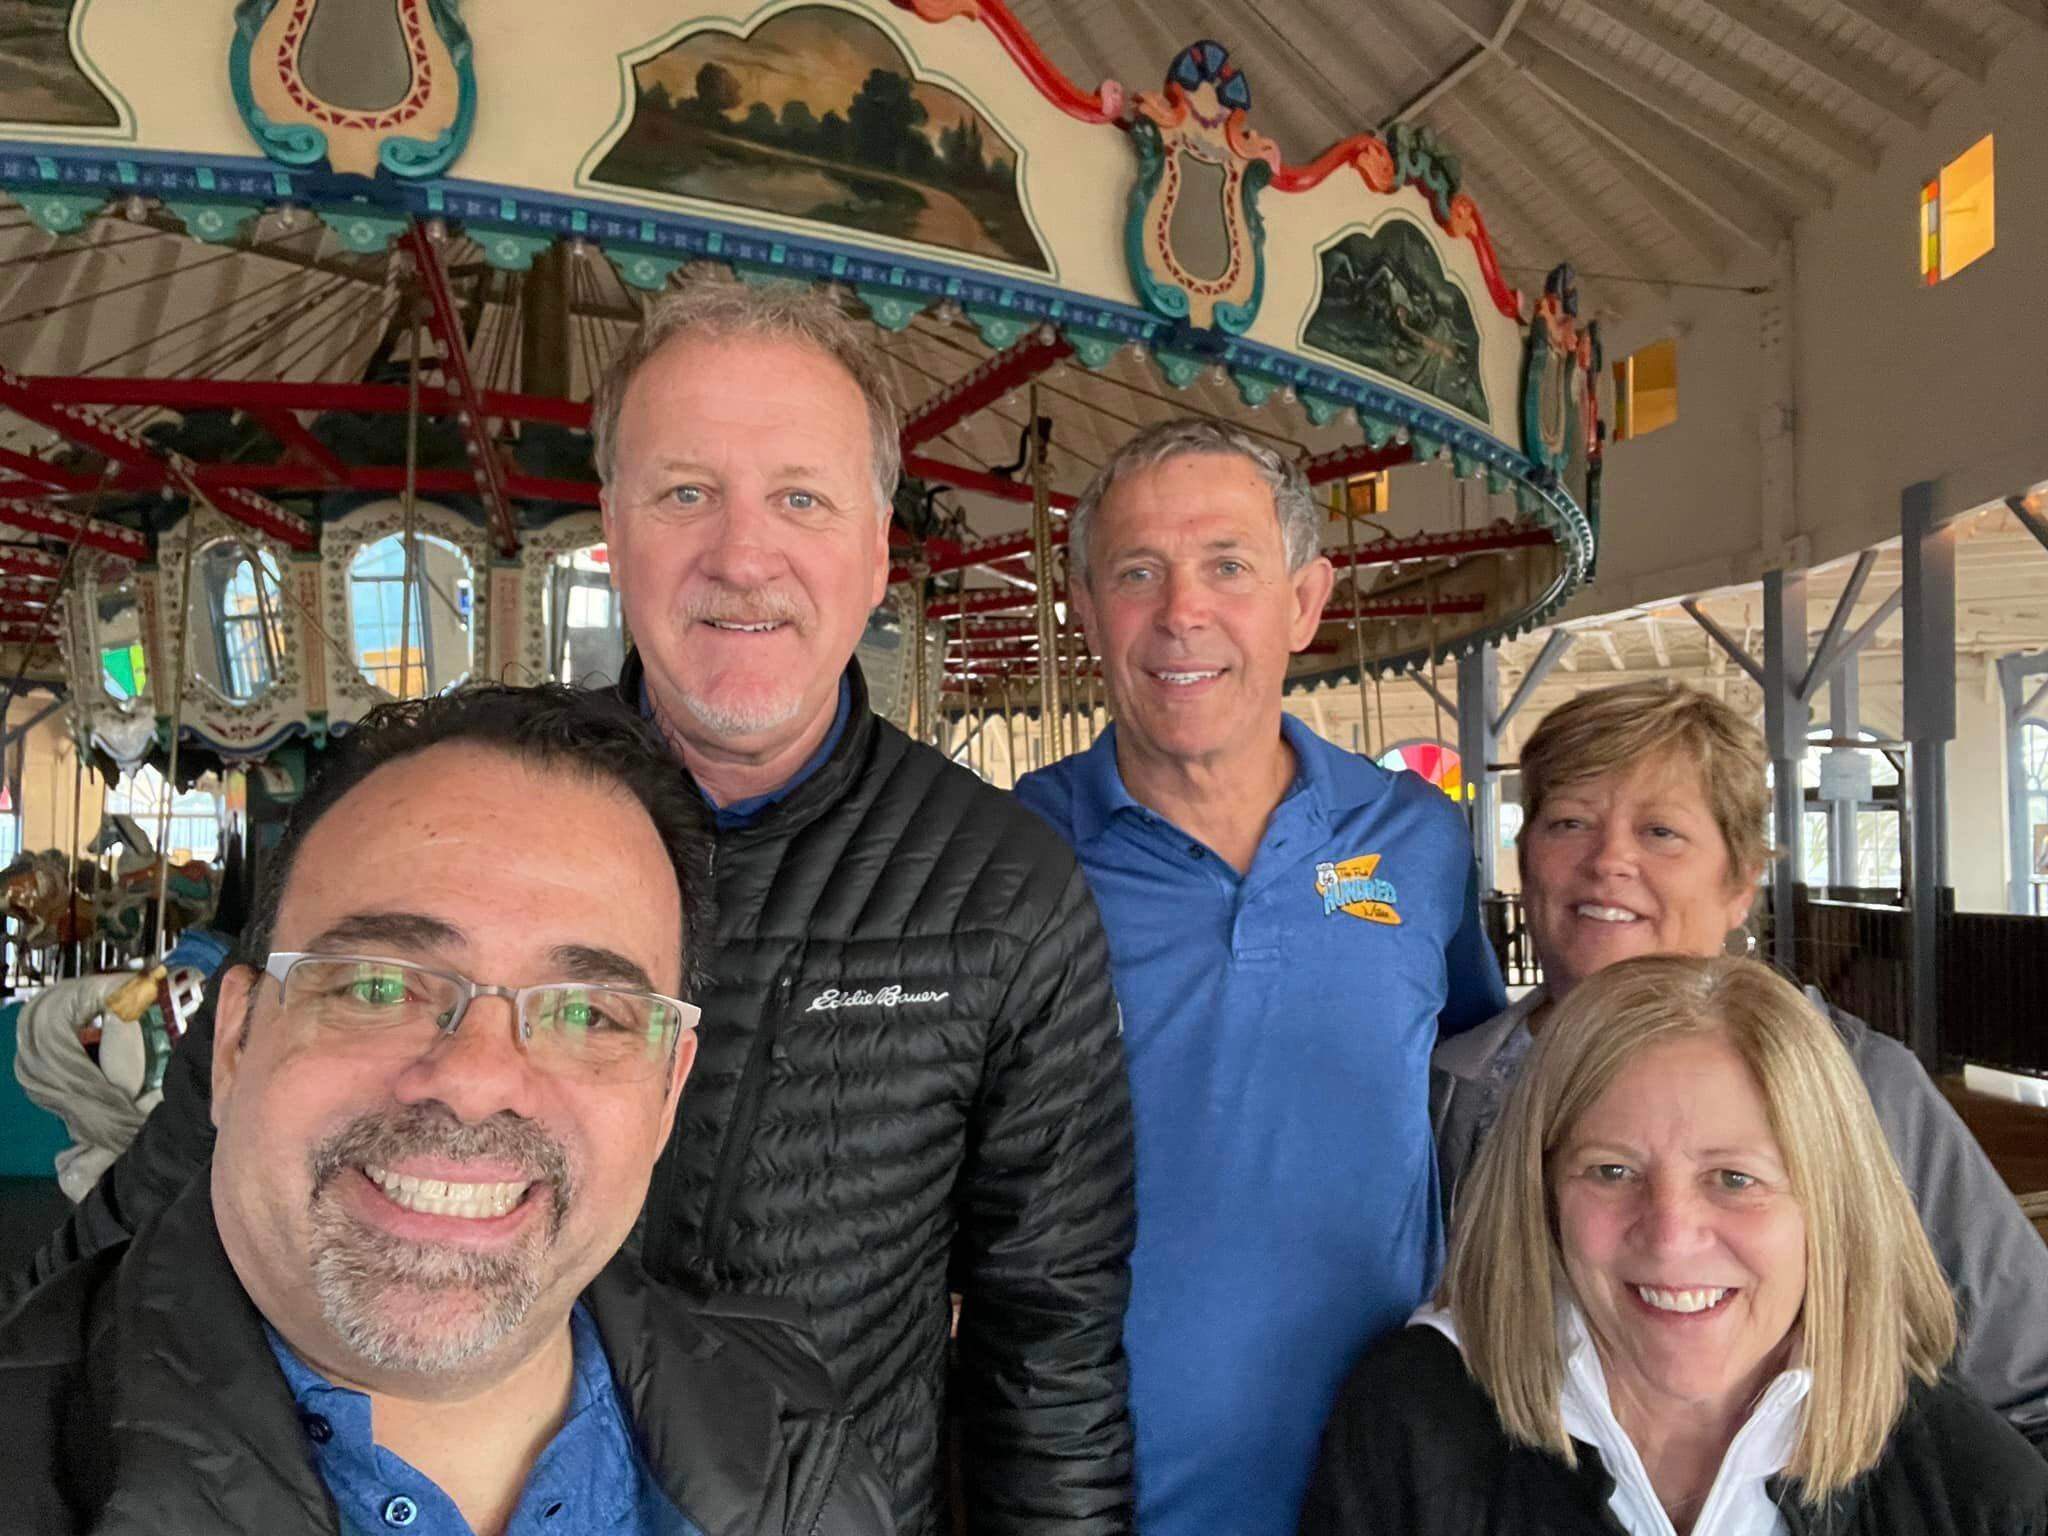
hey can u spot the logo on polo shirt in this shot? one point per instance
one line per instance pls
(832, 999)
(1354, 886)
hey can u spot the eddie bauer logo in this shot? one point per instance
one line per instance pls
(1351, 886)
(832, 999)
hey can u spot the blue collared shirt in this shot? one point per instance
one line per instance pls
(740, 812)
(1278, 1027)
(589, 1481)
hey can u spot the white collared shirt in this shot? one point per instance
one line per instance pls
(1738, 1504)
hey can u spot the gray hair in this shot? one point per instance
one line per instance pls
(1300, 526)
(721, 309)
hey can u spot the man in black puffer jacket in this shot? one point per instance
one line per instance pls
(910, 1075)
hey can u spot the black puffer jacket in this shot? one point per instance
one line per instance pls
(909, 1072)
(138, 1395)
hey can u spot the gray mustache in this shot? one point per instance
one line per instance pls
(387, 1136)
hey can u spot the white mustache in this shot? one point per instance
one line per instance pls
(764, 605)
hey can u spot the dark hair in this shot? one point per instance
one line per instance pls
(568, 730)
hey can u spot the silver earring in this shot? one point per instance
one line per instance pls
(1740, 941)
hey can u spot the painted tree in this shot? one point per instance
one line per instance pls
(883, 118)
(718, 91)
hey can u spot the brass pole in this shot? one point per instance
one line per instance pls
(409, 536)
(1048, 625)
(181, 666)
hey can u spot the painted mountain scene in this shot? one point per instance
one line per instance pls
(1387, 306)
(818, 115)
(40, 82)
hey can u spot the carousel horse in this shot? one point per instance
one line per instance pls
(126, 903)
(92, 1051)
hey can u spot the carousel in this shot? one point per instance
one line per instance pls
(302, 303)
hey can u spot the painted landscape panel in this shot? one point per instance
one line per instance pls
(1387, 306)
(40, 81)
(818, 115)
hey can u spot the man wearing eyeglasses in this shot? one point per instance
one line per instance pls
(441, 1076)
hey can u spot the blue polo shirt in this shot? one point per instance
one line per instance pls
(590, 1480)
(1278, 1027)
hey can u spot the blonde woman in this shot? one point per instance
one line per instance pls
(1644, 834)
(1687, 1293)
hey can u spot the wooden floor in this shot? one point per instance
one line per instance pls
(2015, 1137)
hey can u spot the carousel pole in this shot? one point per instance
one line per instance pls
(914, 717)
(1048, 622)
(163, 838)
(412, 486)
(71, 859)
(1357, 623)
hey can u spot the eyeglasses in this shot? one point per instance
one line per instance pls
(570, 1028)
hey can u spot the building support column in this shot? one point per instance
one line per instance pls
(1927, 554)
(1785, 731)
(1843, 725)
(1478, 748)
(2024, 699)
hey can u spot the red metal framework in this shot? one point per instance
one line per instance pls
(446, 320)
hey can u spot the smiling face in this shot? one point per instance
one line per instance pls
(1629, 863)
(746, 539)
(1191, 606)
(407, 1212)
(1680, 1234)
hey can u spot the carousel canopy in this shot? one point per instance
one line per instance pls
(301, 304)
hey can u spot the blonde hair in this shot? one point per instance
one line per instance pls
(721, 309)
(1615, 729)
(1877, 1311)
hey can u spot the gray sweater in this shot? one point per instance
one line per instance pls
(1995, 1261)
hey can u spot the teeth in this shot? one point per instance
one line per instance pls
(746, 629)
(438, 1197)
(1183, 678)
(1605, 914)
(1681, 1301)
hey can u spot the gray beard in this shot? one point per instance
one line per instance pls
(417, 1308)
(741, 719)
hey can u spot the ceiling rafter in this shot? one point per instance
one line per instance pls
(1678, 213)
(1925, 33)
(1803, 188)
(1753, 85)
(1688, 165)
(1789, 34)
(2030, 11)
(1630, 256)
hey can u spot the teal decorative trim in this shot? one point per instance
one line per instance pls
(301, 144)
(215, 223)
(1420, 160)
(1322, 409)
(1378, 430)
(889, 308)
(997, 328)
(60, 213)
(508, 250)
(1252, 389)
(643, 269)
(416, 158)
(1168, 299)
(1095, 350)
(1461, 464)
(1426, 447)
(363, 232)
(293, 144)
(1180, 369)
(1496, 482)
(1238, 318)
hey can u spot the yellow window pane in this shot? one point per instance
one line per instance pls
(1967, 208)
(1653, 387)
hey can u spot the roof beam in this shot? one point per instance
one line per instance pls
(1629, 257)
(1786, 31)
(1803, 189)
(2030, 11)
(1753, 85)
(68, 481)
(1657, 640)
(1703, 175)
(1508, 215)
(1918, 28)
(445, 318)
(1679, 214)
(982, 386)
(27, 560)
(293, 436)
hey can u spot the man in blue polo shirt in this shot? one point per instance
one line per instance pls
(1291, 930)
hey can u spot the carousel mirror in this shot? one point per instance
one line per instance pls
(116, 614)
(581, 614)
(412, 637)
(236, 635)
